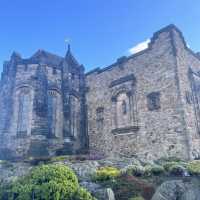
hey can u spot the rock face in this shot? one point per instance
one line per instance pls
(98, 191)
(85, 169)
(10, 172)
(145, 105)
(177, 189)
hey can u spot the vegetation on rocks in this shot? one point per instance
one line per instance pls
(128, 180)
(106, 173)
(137, 198)
(135, 170)
(47, 182)
(194, 167)
(150, 170)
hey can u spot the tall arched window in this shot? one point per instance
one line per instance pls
(23, 113)
(124, 105)
(52, 110)
(100, 118)
(75, 116)
(122, 109)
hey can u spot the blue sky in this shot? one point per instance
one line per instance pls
(99, 31)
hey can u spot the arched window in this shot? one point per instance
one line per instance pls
(100, 118)
(75, 116)
(52, 110)
(23, 113)
(124, 107)
(153, 101)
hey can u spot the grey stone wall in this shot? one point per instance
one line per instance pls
(144, 105)
(32, 106)
(150, 133)
(188, 67)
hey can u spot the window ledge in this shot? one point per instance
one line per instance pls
(125, 130)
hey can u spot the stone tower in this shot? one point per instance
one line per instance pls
(42, 106)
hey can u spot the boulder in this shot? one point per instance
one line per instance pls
(177, 189)
(11, 171)
(105, 194)
(98, 191)
(84, 170)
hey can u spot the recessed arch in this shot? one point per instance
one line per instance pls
(24, 109)
(124, 107)
(75, 115)
(53, 102)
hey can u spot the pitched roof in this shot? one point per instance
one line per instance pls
(44, 57)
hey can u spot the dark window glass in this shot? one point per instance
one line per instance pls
(54, 71)
(124, 107)
(153, 101)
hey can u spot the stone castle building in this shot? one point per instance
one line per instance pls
(147, 104)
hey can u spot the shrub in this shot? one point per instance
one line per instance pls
(83, 194)
(168, 159)
(135, 170)
(59, 158)
(47, 182)
(150, 170)
(137, 198)
(3, 188)
(127, 186)
(168, 165)
(106, 173)
(177, 170)
(194, 167)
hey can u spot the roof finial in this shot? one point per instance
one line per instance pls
(67, 42)
(69, 48)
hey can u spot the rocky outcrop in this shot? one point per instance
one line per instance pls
(11, 171)
(177, 189)
(85, 169)
(98, 191)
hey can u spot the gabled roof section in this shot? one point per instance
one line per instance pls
(70, 59)
(44, 57)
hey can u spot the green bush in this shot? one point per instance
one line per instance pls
(168, 165)
(177, 170)
(3, 188)
(194, 167)
(59, 158)
(106, 173)
(46, 182)
(83, 194)
(164, 160)
(137, 198)
(135, 170)
(150, 170)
